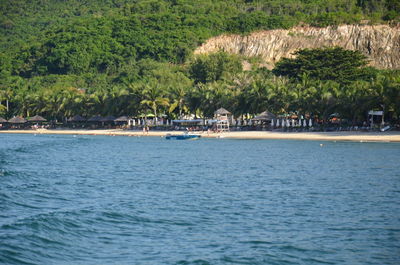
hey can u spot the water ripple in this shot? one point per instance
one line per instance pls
(129, 200)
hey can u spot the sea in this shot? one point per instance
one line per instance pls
(74, 199)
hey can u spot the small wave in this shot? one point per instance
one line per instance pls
(194, 262)
(256, 242)
(115, 217)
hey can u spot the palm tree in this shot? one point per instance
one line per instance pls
(154, 97)
(178, 96)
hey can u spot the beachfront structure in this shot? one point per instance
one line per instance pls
(265, 117)
(222, 117)
(37, 118)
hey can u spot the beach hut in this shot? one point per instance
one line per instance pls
(2, 121)
(36, 118)
(17, 120)
(264, 116)
(180, 124)
(108, 119)
(222, 116)
(77, 118)
(123, 120)
(96, 118)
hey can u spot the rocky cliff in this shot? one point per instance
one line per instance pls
(380, 43)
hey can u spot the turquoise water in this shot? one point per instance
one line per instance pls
(129, 200)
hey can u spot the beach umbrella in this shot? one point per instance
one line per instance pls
(2, 120)
(283, 123)
(310, 122)
(17, 120)
(277, 123)
(37, 118)
(272, 123)
(293, 124)
(304, 123)
(287, 123)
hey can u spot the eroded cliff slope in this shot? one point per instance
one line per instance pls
(380, 43)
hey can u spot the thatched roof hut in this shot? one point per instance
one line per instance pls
(108, 119)
(265, 116)
(122, 119)
(17, 120)
(36, 118)
(2, 120)
(77, 118)
(222, 111)
(96, 118)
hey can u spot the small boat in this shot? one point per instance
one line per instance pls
(184, 136)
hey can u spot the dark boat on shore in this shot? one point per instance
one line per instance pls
(184, 136)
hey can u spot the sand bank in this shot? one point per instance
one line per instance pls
(324, 136)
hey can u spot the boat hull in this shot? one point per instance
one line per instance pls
(183, 137)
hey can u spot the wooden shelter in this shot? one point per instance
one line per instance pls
(17, 120)
(122, 119)
(77, 118)
(265, 116)
(96, 118)
(37, 118)
(3, 120)
(222, 116)
(108, 119)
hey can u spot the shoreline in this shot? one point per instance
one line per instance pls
(315, 136)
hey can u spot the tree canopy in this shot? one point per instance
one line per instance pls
(112, 57)
(335, 64)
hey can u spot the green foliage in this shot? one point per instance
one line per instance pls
(214, 67)
(61, 58)
(336, 64)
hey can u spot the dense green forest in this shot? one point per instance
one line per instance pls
(59, 58)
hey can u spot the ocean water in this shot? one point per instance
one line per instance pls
(146, 200)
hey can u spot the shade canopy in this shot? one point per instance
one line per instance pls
(221, 111)
(37, 118)
(2, 120)
(77, 118)
(17, 120)
(188, 121)
(122, 118)
(108, 119)
(95, 118)
(265, 116)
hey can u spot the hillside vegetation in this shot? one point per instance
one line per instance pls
(60, 58)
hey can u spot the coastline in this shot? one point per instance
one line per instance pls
(321, 136)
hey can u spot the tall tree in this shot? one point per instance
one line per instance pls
(336, 64)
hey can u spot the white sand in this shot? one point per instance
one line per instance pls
(325, 136)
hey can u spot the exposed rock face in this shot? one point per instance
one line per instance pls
(380, 43)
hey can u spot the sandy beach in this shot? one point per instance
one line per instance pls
(322, 136)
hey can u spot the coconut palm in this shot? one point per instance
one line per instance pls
(154, 97)
(178, 96)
